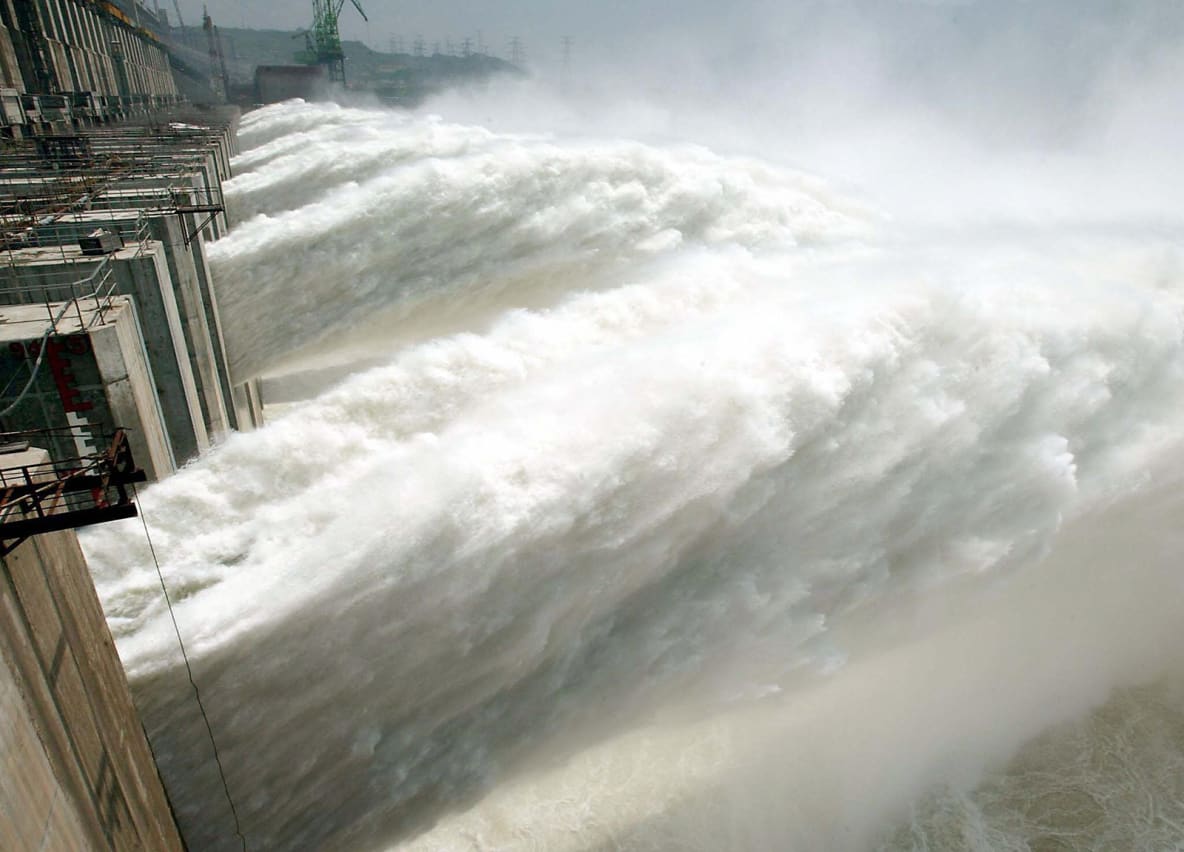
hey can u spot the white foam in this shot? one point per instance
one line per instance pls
(409, 217)
(738, 421)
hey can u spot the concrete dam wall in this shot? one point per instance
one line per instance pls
(77, 769)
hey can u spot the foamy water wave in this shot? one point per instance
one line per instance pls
(413, 221)
(706, 433)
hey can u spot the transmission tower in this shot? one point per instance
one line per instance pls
(517, 54)
(565, 74)
(323, 41)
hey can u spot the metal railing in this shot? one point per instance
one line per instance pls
(64, 493)
(90, 297)
(50, 269)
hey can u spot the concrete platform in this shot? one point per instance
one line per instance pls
(139, 270)
(93, 378)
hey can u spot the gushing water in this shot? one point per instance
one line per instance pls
(472, 223)
(687, 494)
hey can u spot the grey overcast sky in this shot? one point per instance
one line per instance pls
(849, 88)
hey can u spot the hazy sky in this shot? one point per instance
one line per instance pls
(539, 24)
(600, 29)
(1026, 70)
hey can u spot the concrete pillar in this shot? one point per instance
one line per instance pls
(207, 359)
(123, 366)
(141, 270)
(248, 404)
(121, 69)
(209, 298)
(93, 378)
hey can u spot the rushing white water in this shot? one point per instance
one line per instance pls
(470, 222)
(690, 503)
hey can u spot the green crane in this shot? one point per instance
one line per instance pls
(323, 41)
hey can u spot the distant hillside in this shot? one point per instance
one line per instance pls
(396, 77)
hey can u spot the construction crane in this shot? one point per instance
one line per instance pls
(323, 41)
(219, 83)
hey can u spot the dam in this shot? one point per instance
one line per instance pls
(646, 475)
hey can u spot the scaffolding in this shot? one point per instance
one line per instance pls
(57, 179)
(72, 304)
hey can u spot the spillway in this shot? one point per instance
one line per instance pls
(673, 498)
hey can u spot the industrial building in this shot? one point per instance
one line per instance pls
(68, 60)
(113, 370)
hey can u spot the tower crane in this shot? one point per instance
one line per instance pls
(323, 41)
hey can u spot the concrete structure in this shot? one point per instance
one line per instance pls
(158, 186)
(248, 403)
(192, 290)
(141, 270)
(59, 273)
(93, 378)
(79, 60)
(108, 318)
(77, 772)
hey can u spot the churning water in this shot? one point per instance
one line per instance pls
(675, 501)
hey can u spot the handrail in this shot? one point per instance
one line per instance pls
(67, 493)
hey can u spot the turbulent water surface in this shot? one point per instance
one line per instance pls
(673, 500)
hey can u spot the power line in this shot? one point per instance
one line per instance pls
(238, 831)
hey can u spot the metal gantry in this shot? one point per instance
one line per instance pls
(65, 494)
(323, 40)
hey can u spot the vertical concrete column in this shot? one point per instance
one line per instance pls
(120, 65)
(248, 404)
(142, 271)
(204, 361)
(214, 323)
(128, 385)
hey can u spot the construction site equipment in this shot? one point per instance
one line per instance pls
(323, 40)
